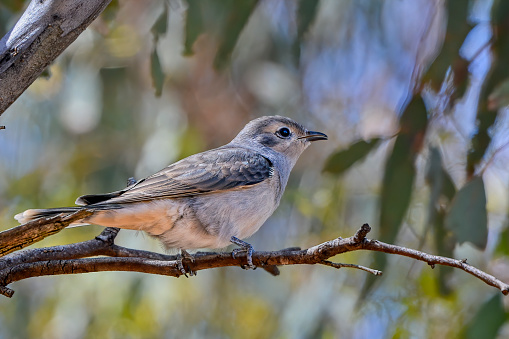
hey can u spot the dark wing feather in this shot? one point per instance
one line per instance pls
(220, 169)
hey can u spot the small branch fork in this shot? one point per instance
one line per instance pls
(101, 254)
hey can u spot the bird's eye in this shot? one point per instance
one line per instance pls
(283, 132)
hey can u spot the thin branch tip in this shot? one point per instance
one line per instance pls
(361, 234)
(341, 265)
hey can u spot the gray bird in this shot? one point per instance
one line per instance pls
(209, 199)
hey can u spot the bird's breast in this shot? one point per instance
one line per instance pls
(238, 212)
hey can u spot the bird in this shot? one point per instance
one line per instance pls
(209, 199)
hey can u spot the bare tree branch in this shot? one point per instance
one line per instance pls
(27, 234)
(75, 258)
(44, 31)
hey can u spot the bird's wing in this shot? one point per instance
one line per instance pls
(211, 171)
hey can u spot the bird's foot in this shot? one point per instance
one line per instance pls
(180, 257)
(246, 247)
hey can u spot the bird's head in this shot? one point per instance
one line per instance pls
(281, 134)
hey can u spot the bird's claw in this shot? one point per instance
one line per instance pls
(245, 247)
(180, 257)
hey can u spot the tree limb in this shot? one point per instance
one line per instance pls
(75, 258)
(43, 32)
(27, 234)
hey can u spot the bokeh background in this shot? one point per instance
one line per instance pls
(418, 132)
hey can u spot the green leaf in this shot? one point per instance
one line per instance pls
(397, 190)
(441, 185)
(341, 161)
(499, 72)
(161, 25)
(239, 14)
(194, 25)
(467, 217)
(439, 181)
(488, 320)
(434, 177)
(502, 248)
(110, 12)
(399, 178)
(458, 28)
(400, 169)
(306, 13)
(157, 73)
(445, 243)
(13, 5)
(449, 189)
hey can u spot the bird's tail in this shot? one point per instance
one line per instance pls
(33, 214)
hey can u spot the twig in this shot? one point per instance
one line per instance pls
(432, 260)
(341, 265)
(75, 258)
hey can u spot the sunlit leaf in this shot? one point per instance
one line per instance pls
(194, 25)
(467, 217)
(344, 159)
(488, 320)
(156, 72)
(240, 12)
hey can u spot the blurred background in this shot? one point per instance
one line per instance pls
(418, 134)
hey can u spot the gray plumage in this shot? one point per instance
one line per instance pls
(204, 200)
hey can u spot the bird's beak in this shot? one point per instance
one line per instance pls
(314, 136)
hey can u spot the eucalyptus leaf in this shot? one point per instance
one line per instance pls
(156, 72)
(342, 160)
(488, 320)
(467, 217)
(239, 14)
(487, 112)
(194, 25)
(161, 25)
(306, 13)
(399, 176)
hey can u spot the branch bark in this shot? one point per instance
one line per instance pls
(27, 234)
(76, 258)
(43, 32)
